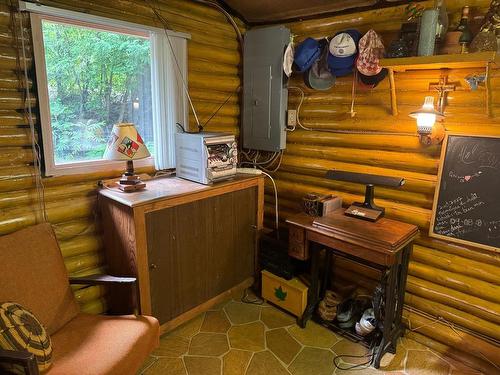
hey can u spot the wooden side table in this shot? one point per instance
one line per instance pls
(385, 245)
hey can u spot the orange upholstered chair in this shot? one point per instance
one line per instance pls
(33, 274)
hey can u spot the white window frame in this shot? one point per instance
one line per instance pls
(169, 99)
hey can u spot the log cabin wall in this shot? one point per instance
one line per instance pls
(456, 287)
(71, 200)
(459, 284)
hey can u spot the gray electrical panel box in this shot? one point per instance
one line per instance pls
(265, 93)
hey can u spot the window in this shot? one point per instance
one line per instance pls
(94, 72)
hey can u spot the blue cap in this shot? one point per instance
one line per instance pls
(306, 54)
(343, 65)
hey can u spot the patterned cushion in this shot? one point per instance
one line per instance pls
(20, 330)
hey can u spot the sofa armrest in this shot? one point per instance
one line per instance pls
(23, 358)
(100, 279)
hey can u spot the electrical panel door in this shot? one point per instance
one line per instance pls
(265, 93)
(261, 105)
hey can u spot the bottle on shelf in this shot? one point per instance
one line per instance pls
(463, 26)
(464, 20)
(442, 27)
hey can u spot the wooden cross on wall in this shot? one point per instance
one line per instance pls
(443, 88)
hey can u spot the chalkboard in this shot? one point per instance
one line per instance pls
(467, 199)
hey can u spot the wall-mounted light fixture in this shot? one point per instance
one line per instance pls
(428, 130)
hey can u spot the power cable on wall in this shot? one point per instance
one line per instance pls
(227, 15)
(166, 28)
(28, 114)
(299, 106)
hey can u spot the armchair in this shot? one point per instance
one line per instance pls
(32, 273)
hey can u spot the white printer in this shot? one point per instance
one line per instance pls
(205, 157)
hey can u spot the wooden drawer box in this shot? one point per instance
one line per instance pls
(290, 295)
(297, 244)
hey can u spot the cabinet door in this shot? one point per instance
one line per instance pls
(199, 250)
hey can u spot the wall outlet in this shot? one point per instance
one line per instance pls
(292, 117)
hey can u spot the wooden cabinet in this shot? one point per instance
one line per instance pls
(188, 244)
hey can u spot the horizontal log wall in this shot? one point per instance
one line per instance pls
(214, 60)
(457, 283)
(450, 284)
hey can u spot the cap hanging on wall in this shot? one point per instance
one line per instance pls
(343, 51)
(306, 54)
(371, 50)
(319, 77)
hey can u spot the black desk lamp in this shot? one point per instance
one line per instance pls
(366, 210)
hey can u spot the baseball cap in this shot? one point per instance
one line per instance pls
(343, 49)
(371, 49)
(319, 77)
(306, 54)
(373, 80)
(343, 44)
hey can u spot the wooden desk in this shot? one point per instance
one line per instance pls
(385, 245)
(188, 244)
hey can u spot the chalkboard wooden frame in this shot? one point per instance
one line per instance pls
(437, 193)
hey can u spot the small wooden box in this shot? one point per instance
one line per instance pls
(290, 295)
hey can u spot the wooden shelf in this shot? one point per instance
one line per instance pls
(478, 60)
(454, 61)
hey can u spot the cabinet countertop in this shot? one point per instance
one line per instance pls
(168, 187)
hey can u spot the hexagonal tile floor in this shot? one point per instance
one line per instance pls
(236, 338)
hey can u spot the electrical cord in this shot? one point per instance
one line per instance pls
(163, 173)
(180, 126)
(359, 366)
(278, 166)
(166, 28)
(267, 162)
(298, 107)
(266, 167)
(275, 203)
(222, 105)
(302, 96)
(35, 147)
(228, 16)
(353, 92)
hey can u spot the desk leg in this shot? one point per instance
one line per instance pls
(401, 285)
(403, 274)
(312, 295)
(389, 309)
(326, 274)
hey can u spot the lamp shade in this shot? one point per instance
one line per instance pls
(125, 143)
(426, 116)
